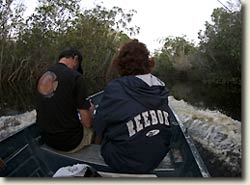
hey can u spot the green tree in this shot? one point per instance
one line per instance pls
(11, 22)
(35, 45)
(93, 31)
(172, 62)
(39, 42)
(221, 46)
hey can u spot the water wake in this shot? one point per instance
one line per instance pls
(10, 124)
(216, 132)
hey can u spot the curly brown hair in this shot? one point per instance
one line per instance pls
(133, 59)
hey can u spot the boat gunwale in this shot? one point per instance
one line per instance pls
(195, 154)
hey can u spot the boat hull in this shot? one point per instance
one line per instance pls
(24, 154)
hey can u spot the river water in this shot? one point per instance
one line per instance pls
(212, 116)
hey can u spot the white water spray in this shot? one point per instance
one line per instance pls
(10, 124)
(215, 131)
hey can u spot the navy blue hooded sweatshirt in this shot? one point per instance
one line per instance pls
(134, 121)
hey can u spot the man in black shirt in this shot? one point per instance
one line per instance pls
(63, 113)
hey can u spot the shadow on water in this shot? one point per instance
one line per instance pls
(16, 98)
(227, 100)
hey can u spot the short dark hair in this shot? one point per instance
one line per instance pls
(71, 52)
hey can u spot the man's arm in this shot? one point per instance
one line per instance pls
(86, 117)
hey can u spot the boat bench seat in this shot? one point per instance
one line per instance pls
(91, 155)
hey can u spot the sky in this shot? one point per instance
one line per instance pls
(159, 19)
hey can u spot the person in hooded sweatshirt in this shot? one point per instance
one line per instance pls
(132, 121)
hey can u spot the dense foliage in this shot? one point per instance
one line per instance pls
(221, 45)
(28, 45)
(216, 60)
